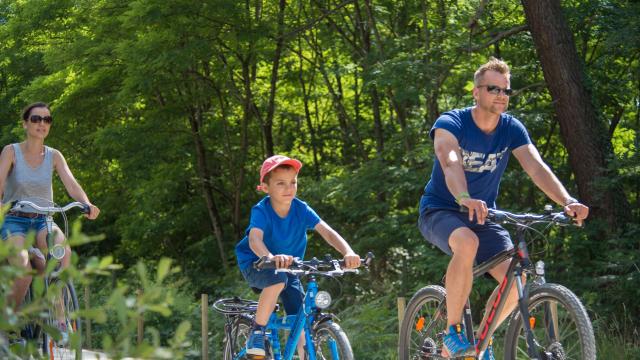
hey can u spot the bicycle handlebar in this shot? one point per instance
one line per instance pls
(19, 205)
(333, 266)
(559, 218)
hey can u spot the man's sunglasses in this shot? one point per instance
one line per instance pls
(496, 90)
(37, 118)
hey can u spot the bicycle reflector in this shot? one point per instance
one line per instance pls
(57, 251)
(323, 299)
(420, 324)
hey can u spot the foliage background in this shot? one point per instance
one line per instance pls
(166, 109)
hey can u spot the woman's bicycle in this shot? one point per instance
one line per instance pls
(550, 322)
(54, 327)
(325, 339)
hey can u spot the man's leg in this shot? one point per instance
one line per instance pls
(499, 273)
(464, 245)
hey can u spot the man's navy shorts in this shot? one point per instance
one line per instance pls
(291, 297)
(436, 225)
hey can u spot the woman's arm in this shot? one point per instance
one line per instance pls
(71, 184)
(6, 161)
(351, 259)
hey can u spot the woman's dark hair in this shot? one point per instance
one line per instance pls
(27, 110)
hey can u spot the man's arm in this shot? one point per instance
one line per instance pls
(530, 160)
(447, 150)
(351, 259)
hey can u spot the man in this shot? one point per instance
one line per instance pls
(472, 148)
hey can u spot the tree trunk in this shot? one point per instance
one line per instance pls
(583, 133)
(267, 126)
(207, 189)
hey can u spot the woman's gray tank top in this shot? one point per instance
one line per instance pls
(27, 183)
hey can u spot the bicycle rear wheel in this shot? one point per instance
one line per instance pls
(424, 320)
(331, 343)
(234, 342)
(561, 326)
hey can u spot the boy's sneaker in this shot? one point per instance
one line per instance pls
(456, 342)
(255, 342)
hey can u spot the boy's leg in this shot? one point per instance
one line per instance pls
(271, 285)
(292, 299)
(267, 303)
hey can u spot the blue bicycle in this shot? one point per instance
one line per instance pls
(325, 339)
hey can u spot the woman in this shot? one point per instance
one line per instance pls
(26, 171)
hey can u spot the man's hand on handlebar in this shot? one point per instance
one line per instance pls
(577, 211)
(477, 208)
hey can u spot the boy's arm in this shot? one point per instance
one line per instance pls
(351, 259)
(260, 249)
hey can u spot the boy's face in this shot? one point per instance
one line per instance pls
(282, 185)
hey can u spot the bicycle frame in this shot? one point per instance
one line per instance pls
(303, 320)
(520, 261)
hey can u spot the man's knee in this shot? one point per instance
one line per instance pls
(464, 242)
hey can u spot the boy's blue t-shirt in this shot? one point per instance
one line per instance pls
(281, 235)
(485, 157)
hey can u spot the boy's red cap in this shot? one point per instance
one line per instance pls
(275, 161)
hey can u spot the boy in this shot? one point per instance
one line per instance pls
(278, 230)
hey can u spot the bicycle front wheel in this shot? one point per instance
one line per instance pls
(561, 326)
(64, 306)
(424, 319)
(331, 343)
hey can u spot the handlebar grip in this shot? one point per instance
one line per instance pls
(86, 209)
(264, 263)
(367, 260)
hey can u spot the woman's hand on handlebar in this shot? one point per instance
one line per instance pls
(93, 213)
(577, 211)
(352, 260)
(282, 261)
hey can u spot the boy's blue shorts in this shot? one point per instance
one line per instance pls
(291, 297)
(436, 225)
(20, 226)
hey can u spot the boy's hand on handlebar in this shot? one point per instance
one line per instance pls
(282, 261)
(351, 260)
(577, 211)
(477, 208)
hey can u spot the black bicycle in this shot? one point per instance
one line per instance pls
(55, 326)
(550, 322)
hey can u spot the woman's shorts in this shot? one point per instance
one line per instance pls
(20, 226)
(291, 297)
(436, 225)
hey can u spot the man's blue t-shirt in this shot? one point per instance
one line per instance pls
(281, 235)
(484, 156)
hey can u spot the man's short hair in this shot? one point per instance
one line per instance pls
(492, 65)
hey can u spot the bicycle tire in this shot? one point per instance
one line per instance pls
(325, 336)
(414, 343)
(564, 308)
(234, 343)
(62, 308)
